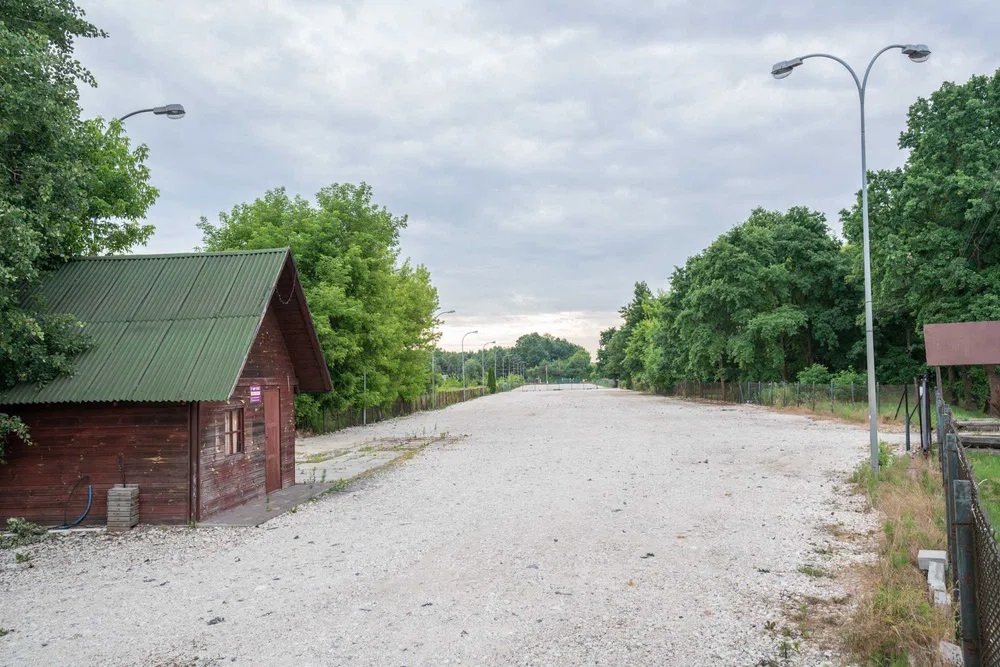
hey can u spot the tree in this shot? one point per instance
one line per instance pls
(68, 186)
(613, 360)
(491, 381)
(936, 245)
(763, 301)
(373, 315)
(767, 299)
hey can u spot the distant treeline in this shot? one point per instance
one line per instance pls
(779, 297)
(531, 358)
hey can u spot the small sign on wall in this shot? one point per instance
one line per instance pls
(255, 393)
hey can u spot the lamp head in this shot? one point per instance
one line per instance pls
(785, 67)
(918, 53)
(174, 111)
(447, 312)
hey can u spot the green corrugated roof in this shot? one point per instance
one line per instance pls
(164, 327)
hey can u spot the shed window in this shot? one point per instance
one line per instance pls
(231, 435)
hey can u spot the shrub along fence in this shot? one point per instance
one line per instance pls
(973, 555)
(328, 420)
(894, 401)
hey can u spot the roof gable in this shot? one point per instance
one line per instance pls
(167, 327)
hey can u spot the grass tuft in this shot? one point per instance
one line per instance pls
(986, 469)
(894, 622)
(813, 571)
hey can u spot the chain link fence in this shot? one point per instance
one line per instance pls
(894, 401)
(327, 421)
(978, 591)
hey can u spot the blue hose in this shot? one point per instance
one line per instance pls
(86, 511)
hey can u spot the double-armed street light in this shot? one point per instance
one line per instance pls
(918, 53)
(434, 317)
(171, 111)
(463, 361)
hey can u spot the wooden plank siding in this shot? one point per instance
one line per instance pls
(176, 482)
(87, 439)
(228, 480)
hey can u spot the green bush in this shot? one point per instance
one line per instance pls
(815, 374)
(849, 377)
(21, 533)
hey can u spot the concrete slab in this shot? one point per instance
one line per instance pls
(935, 576)
(344, 467)
(266, 508)
(925, 556)
(951, 654)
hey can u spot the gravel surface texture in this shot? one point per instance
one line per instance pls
(551, 527)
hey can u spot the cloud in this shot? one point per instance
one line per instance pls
(549, 155)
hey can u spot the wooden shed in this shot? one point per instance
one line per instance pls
(186, 391)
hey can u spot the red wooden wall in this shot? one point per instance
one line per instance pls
(86, 439)
(227, 480)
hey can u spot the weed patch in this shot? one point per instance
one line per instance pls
(813, 571)
(21, 533)
(894, 622)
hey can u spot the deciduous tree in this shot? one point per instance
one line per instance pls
(68, 186)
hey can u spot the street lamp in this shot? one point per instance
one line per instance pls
(172, 111)
(918, 53)
(482, 359)
(463, 362)
(433, 372)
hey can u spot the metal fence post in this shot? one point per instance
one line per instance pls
(927, 412)
(906, 414)
(950, 473)
(966, 575)
(938, 405)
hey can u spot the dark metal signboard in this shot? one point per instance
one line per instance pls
(962, 343)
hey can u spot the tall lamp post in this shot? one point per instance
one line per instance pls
(463, 361)
(482, 359)
(918, 53)
(434, 317)
(171, 111)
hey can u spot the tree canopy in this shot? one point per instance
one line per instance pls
(372, 313)
(779, 295)
(69, 186)
(765, 300)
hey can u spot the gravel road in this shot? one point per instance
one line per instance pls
(597, 527)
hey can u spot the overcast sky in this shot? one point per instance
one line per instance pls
(548, 154)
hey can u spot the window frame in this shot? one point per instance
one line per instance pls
(231, 431)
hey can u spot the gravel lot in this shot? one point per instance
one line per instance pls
(553, 527)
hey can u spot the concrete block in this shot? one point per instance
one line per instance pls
(123, 507)
(935, 576)
(925, 556)
(951, 654)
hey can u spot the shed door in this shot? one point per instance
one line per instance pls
(272, 435)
